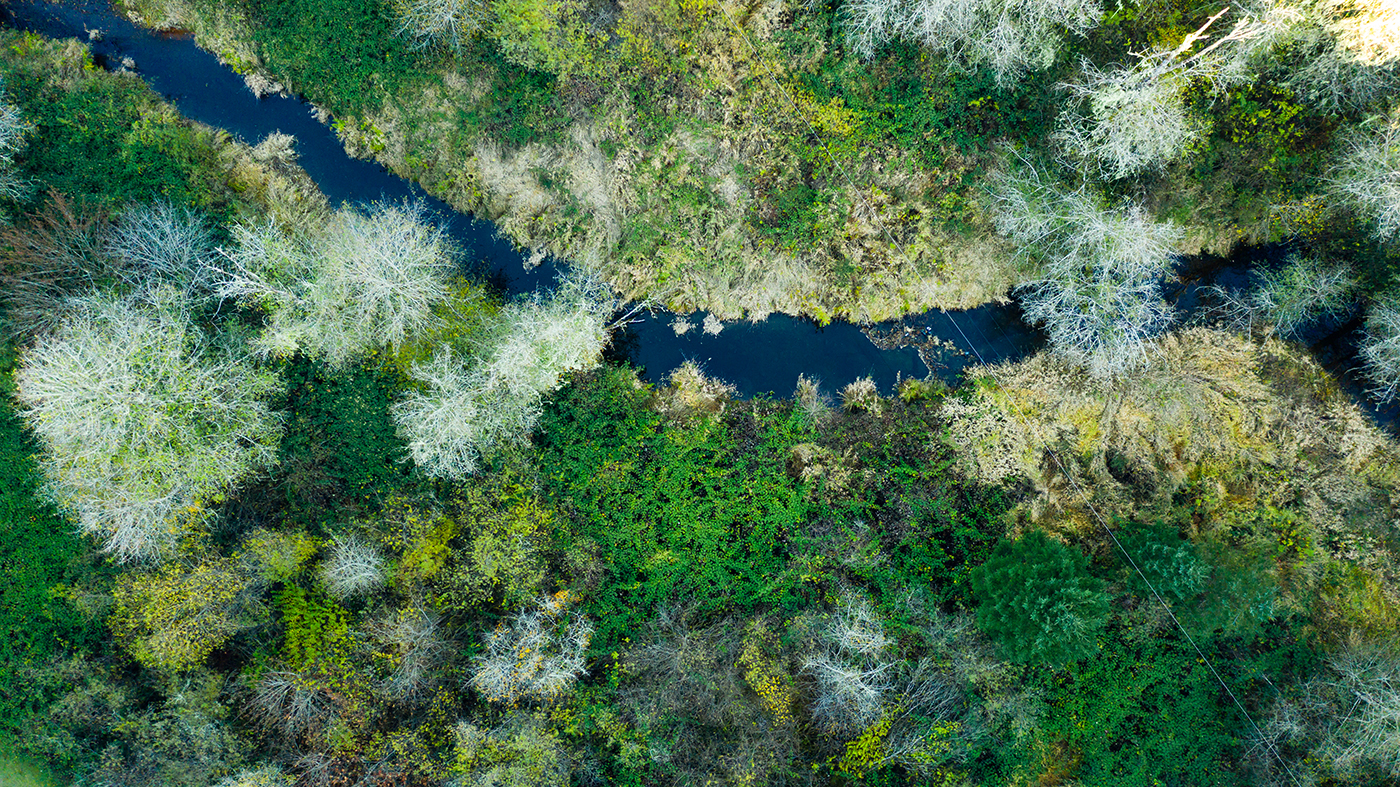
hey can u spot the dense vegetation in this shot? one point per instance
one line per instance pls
(287, 499)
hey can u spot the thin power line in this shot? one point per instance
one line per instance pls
(1098, 516)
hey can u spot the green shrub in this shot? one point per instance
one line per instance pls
(520, 106)
(544, 35)
(1167, 561)
(343, 54)
(1035, 597)
(1145, 712)
(315, 626)
(174, 618)
(41, 560)
(502, 561)
(699, 515)
(104, 138)
(524, 752)
(340, 448)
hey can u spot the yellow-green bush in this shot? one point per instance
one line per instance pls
(174, 617)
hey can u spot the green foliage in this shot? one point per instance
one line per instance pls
(1035, 597)
(951, 529)
(42, 561)
(501, 563)
(524, 752)
(343, 54)
(1265, 149)
(1145, 711)
(277, 556)
(519, 107)
(107, 139)
(1167, 561)
(1241, 593)
(316, 628)
(1269, 126)
(544, 35)
(340, 448)
(105, 731)
(696, 514)
(907, 97)
(173, 618)
(421, 535)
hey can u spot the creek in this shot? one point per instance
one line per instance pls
(756, 357)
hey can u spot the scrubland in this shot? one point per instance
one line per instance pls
(288, 501)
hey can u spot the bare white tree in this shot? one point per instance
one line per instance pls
(1345, 721)
(456, 415)
(1368, 176)
(161, 241)
(1369, 735)
(853, 672)
(365, 280)
(1290, 299)
(13, 131)
(141, 419)
(290, 702)
(1127, 120)
(1380, 348)
(352, 566)
(462, 410)
(1100, 270)
(416, 646)
(441, 23)
(544, 337)
(1007, 36)
(1133, 117)
(538, 655)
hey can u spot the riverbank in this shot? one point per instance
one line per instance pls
(708, 199)
(687, 174)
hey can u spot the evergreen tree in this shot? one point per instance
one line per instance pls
(1035, 597)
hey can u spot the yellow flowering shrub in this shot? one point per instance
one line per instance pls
(175, 617)
(765, 674)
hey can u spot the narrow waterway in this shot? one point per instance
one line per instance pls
(763, 357)
(756, 357)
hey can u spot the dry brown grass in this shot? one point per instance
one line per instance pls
(1258, 422)
(689, 395)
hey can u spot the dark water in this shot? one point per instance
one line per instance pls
(756, 357)
(1333, 340)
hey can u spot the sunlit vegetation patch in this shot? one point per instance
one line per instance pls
(344, 52)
